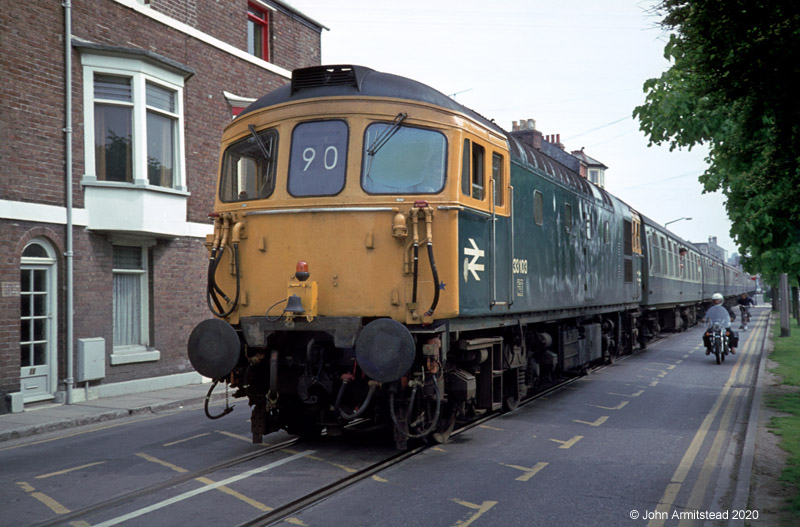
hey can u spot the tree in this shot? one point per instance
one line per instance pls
(732, 85)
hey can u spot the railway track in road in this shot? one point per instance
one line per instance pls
(280, 512)
(285, 512)
(111, 503)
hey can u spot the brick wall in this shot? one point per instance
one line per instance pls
(32, 109)
(32, 157)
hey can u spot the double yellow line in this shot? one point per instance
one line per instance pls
(729, 397)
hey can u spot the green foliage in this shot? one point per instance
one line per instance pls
(732, 85)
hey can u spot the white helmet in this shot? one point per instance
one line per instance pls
(717, 297)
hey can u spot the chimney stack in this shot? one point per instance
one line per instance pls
(525, 131)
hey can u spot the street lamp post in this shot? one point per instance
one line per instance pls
(673, 221)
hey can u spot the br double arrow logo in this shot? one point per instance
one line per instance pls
(472, 266)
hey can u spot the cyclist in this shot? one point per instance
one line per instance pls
(744, 303)
(718, 312)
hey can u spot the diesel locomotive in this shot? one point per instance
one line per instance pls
(384, 255)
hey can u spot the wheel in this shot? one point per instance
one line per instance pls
(445, 426)
(608, 358)
(513, 388)
(717, 352)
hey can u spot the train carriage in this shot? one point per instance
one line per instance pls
(673, 289)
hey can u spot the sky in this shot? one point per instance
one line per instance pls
(577, 67)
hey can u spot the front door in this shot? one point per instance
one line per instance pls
(37, 322)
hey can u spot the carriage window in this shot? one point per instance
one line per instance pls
(497, 175)
(318, 158)
(248, 168)
(651, 253)
(408, 161)
(675, 266)
(637, 244)
(567, 217)
(538, 207)
(627, 236)
(587, 217)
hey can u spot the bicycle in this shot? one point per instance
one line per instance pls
(745, 317)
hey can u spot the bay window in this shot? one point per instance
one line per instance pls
(135, 108)
(134, 154)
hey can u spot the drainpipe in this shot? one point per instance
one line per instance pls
(68, 148)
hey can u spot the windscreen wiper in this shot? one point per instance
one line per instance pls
(260, 142)
(387, 134)
(383, 138)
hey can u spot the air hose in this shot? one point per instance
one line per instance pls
(213, 288)
(225, 411)
(210, 281)
(373, 385)
(435, 280)
(435, 419)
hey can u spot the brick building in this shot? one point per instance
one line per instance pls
(131, 175)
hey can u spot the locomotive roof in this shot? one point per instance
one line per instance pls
(350, 80)
(549, 159)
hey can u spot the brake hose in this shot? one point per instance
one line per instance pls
(213, 285)
(225, 411)
(434, 420)
(435, 280)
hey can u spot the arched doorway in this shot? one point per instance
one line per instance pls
(38, 321)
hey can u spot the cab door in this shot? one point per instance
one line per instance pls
(485, 230)
(502, 237)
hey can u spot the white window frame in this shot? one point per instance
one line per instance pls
(140, 71)
(142, 352)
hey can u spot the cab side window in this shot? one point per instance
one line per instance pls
(478, 178)
(466, 173)
(473, 180)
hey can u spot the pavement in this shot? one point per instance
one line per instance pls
(40, 418)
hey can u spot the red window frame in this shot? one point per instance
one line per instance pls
(263, 23)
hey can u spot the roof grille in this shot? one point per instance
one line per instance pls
(318, 76)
